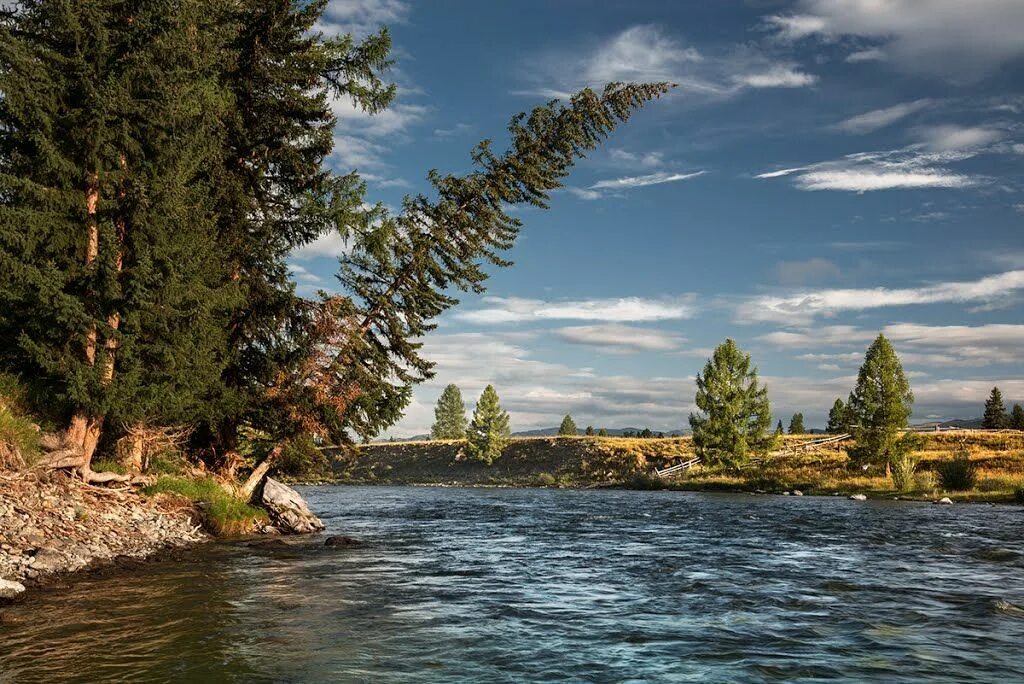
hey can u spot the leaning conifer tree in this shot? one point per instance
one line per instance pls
(880, 405)
(735, 410)
(489, 432)
(568, 427)
(449, 415)
(995, 417)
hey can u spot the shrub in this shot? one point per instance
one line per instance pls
(301, 457)
(223, 514)
(958, 474)
(546, 479)
(903, 466)
(925, 481)
(1018, 495)
(19, 439)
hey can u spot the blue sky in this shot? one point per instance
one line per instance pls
(825, 170)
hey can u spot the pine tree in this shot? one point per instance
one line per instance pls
(735, 407)
(602, 432)
(796, 424)
(1017, 417)
(489, 432)
(880, 405)
(589, 432)
(779, 431)
(567, 428)
(109, 271)
(838, 421)
(449, 415)
(995, 413)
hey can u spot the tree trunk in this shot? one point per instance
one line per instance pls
(261, 470)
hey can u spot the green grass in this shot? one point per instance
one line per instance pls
(108, 467)
(223, 514)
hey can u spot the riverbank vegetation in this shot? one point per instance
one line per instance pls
(157, 170)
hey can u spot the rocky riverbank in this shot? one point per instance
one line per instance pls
(52, 524)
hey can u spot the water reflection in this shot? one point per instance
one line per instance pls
(512, 585)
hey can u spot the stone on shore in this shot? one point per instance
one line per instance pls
(858, 497)
(945, 501)
(287, 509)
(9, 589)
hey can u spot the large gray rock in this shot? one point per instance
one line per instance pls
(287, 509)
(9, 589)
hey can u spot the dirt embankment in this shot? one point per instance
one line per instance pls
(579, 461)
(52, 524)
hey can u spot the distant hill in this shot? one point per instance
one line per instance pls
(954, 423)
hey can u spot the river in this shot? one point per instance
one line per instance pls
(495, 585)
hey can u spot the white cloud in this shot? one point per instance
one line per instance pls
(634, 159)
(647, 53)
(456, 130)
(620, 338)
(946, 38)
(880, 118)
(909, 168)
(869, 55)
(396, 119)
(361, 16)
(949, 137)
(642, 181)
(778, 76)
(809, 304)
(584, 194)
(303, 275)
(330, 245)
(624, 309)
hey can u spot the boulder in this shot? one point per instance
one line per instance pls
(945, 501)
(859, 497)
(342, 540)
(287, 509)
(9, 589)
(797, 492)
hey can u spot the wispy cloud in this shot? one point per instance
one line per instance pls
(643, 160)
(880, 118)
(645, 180)
(946, 38)
(803, 306)
(618, 338)
(908, 168)
(499, 310)
(950, 137)
(648, 53)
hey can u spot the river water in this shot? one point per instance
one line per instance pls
(493, 585)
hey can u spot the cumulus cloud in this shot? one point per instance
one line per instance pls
(620, 338)
(330, 244)
(499, 310)
(945, 38)
(809, 304)
(361, 17)
(880, 118)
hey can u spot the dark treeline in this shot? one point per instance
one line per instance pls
(160, 161)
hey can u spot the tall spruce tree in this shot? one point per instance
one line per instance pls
(736, 412)
(838, 420)
(796, 424)
(568, 427)
(489, 431)
(110, 285)
(779, 431)
(449, 415)
(1017, 417)
(880, 405)
(995, 413)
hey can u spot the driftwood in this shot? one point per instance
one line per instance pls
(59, 455)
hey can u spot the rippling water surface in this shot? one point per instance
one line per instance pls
(543, 585)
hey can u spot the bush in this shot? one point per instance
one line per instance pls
(1018, 495)
(546, 480)
(301, 457)
(903, 460)
(19, 439)
(958, 474)
(925, 481)
(223, 513)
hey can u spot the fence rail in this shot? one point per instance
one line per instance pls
(679, 467)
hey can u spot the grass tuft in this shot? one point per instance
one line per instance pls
(223, 514)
